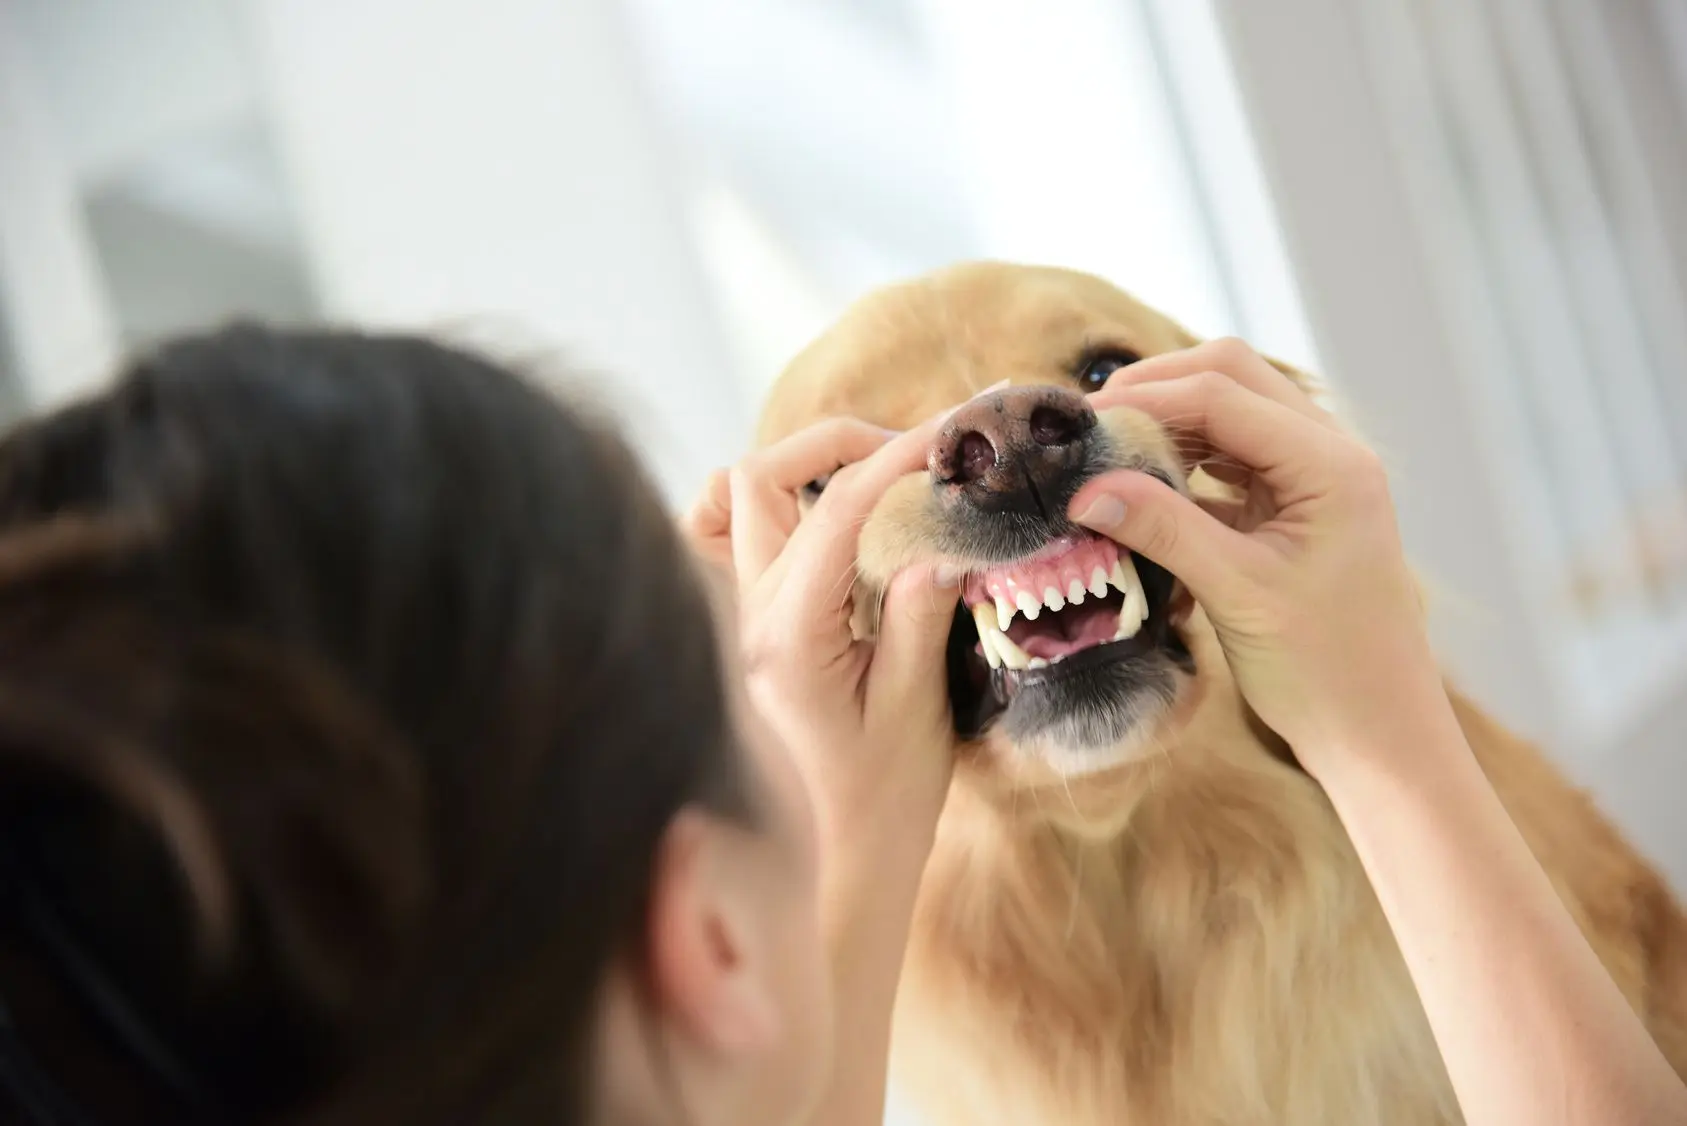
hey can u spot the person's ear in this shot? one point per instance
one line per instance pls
(707, 955)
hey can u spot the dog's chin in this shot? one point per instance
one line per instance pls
(1085, 710)
(1094, 718)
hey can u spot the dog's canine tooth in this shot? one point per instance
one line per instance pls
(1039, 663)
(1052, 599)
(984, 617)
(1135, 609)
(1004, 613)
(1012, 655)
(1075, 593)
(1098, 583)
(1141, 595)
(1028, 605)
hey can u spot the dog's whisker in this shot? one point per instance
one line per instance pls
(1071, 799)
(1077, 894)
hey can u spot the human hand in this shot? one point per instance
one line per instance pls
(1305, 581)
(868, 721)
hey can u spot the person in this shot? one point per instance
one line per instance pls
(374, 750)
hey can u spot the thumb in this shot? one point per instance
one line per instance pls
(908, 657)
(1156, 521)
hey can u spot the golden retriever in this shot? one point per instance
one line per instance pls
(1139, 909)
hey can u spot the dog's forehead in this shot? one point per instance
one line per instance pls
(906, 352)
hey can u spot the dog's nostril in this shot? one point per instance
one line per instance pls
(974, 457)
(1059, 426)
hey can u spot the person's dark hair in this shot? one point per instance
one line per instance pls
(347, 686)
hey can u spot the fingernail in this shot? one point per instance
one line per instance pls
(1102, 512)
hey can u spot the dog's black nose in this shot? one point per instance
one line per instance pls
(1014, 450)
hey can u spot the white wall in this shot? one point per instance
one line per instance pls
(62, 333)
(500, 170)
(1394, 274)
(123, 77)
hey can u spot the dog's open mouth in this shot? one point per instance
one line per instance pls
(1055, 617)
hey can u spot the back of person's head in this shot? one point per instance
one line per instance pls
(347, 685)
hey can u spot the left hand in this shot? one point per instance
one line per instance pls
(868, 721)
(1307, 587)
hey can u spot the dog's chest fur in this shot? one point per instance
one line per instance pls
(1212, 953)
(1222, 960)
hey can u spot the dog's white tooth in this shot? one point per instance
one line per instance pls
(1039, 663)
(1128, 565)
(1004, 613)
(1129, 622)
(1052, 599)
(984, 617)
(1135, 609)
(1012, 655)
(1028, 606)
(1134, 594)
(1057, 660)
(1075, 593)
(1130, 615)
(1098, 582)
(1117, 578)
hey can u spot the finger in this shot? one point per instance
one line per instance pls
(762, 521)
(1154, 520)
(1228, 357)
(764, 486)
(1222, 468)
(907, 674)
(1226, 511)
(815, 451)
(820, 560)
(1212, 418)
(708, 522)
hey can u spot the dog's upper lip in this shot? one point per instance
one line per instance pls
(1088, 586)
(1068, 565)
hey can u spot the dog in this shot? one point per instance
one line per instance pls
(1139, 909)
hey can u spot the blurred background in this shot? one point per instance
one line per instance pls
(1469, 215)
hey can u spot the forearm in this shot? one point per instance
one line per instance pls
(870, 910)
(1531, 1027)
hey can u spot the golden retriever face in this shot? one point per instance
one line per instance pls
(1068, 655)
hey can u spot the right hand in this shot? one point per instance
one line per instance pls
(1305, 583)
(867, 721)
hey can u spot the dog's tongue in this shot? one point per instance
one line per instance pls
(1073, 629)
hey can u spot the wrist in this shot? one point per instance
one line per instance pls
(869, 891)
(876, 873)
(1411, 733)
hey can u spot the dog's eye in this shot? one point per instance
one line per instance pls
(1095, 369)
